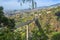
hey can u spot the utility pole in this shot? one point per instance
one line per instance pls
(27, 33)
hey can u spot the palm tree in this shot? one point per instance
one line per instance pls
(34, 4)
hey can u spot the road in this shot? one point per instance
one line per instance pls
(26, 23)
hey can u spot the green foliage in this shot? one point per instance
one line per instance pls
(21, 31)
(4, 21)
(46, 24)
(6, 34)
(1, 8)
(56, 36)
(58, 15)
(39, 34)
(6, 26)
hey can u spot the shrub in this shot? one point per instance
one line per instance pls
(56, 36)
(6, 34)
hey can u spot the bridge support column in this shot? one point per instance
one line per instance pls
(27, 33)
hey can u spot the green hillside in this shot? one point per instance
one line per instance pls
(43, 24)
(49, 19)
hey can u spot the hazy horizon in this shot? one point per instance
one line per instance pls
(15, 5)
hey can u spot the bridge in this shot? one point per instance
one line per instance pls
(27, 25)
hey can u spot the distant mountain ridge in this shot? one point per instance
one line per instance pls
(54, 5)
(36, 9)
(58, 4)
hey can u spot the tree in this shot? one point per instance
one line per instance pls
(58, 15)
(6, 34)
(40, 33)
(34, 4)
(4, 21)
(56, 36)
(6, 26)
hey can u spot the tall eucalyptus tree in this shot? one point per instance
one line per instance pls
(33, 3)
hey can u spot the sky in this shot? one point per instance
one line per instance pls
(15, 5)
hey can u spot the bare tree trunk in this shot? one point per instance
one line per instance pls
(32, 4)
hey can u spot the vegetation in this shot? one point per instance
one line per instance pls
(7, 28)
(46, 25)
(4, 21)
(56, 36)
